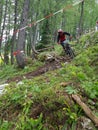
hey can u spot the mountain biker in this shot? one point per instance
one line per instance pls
(61, 38)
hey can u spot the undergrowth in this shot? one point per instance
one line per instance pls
(8, 71)
(43, 103)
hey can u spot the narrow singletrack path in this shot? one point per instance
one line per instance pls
(48, 66)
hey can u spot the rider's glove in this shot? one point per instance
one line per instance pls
(70, 37)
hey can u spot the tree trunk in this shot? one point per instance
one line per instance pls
(81, 19)
(35, 39)
(22, 35)
(6, 50)
(3, 27)
(8, 29)
(13, 40)
(1, 12)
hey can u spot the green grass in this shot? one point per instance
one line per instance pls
(57, 109)
(9, 71)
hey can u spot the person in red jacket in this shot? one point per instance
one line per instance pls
(61, 38)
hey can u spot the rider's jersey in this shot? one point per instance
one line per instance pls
(62, 36)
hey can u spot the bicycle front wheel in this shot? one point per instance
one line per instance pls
(71, 53)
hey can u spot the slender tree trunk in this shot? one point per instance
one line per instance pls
(3, 27)
(13, 41)
(8, 29)
(81, 19)
(35, 39)
(1, 12)
(21, 37)
(6, 50)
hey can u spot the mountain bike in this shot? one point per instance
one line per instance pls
(68, 50)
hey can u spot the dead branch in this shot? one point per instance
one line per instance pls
(86, 109)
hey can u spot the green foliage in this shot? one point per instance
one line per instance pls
(40, 46)
(1, 62)
(84, 39)
(58, 50)
(8, 71)
(26, 123)
(45, 97)
(5, 125)
(71, 90)
(46, 34)
(91, 88)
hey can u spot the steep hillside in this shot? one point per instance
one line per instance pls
(44, 100)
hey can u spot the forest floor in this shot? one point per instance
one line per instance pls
(48, 66)
(50, 91)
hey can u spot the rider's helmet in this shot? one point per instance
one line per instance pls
(60, 30)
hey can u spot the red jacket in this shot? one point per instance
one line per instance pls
(62, 36)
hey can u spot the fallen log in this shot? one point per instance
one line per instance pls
(86, 109)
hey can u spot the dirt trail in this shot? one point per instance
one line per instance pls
(49, 66)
